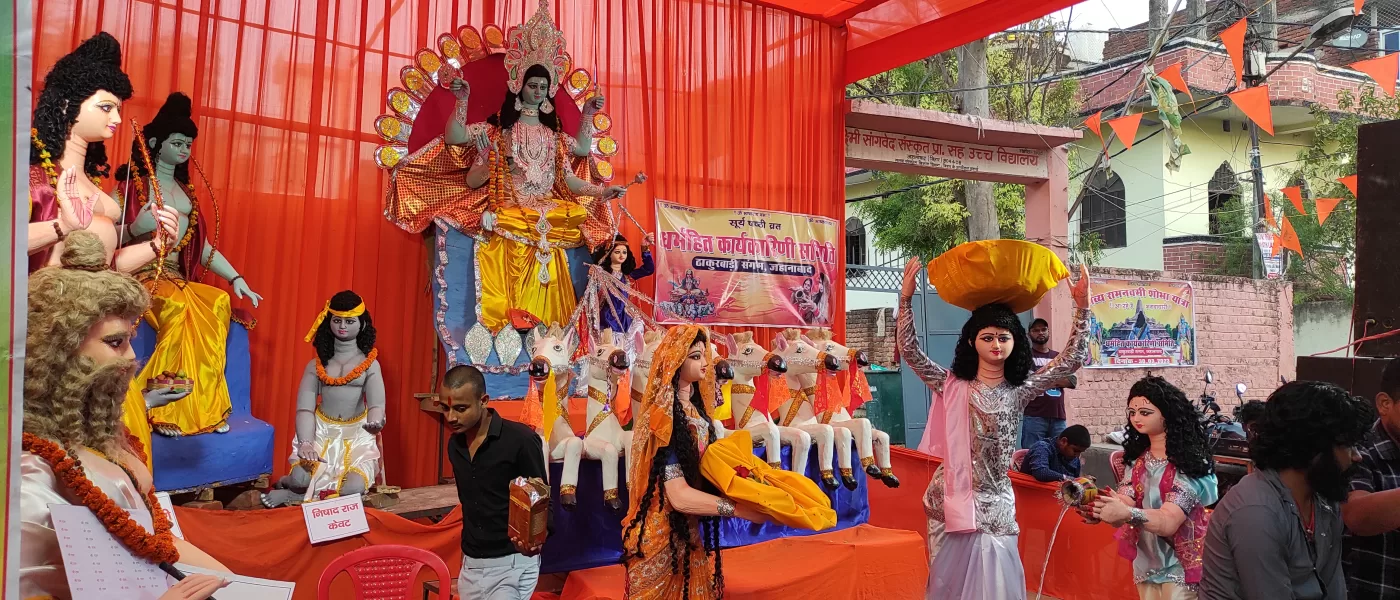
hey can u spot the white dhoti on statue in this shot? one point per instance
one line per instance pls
(344, 447)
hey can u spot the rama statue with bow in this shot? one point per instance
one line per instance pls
(510, 168)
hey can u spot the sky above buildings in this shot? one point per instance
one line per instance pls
(1104, 14)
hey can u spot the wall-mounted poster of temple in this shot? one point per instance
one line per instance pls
(1136, 323)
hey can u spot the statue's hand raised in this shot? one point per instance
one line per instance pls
(374, 419)
(74, 210)
(241, 289)
(911, 277)
(1080, 291)
(593, 105)
(460, 88)
(167, 224)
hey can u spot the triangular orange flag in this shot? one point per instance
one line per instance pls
(1382, 70)
(1094, 123)
(1126, 128)
(1254, 103)
(1359, 4)
(1233, 38)
(1289, 238)
(1274, 249)
(1295, 195)
(1324, 208)
(1269, 213)
(1173, 76)
(1350, 182)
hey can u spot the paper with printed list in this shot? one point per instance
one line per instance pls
(99, 566)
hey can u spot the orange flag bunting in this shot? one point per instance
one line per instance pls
(1254, 103)
(1173, 76)
(1359, 4)
(1289, 238)
(1325, 207)
(1295, 195)
(1233, 38)
(1126, 128)
(1269, 214)
(1350, 182)
(1383, 70)
(1094, 123)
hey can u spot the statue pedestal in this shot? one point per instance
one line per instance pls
(591, 535)
(214, 459)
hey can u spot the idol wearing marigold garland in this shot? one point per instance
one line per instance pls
(190, 318)
(75, 451)
(78, 109)
(505, 175)
(335, 451)
(670, 537)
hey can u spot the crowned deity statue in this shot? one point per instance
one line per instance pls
(502, 150)
(79, 109)
(335, 451)
(191, 319)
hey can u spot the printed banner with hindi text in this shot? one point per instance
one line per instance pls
(1135, 323)
(744, 267)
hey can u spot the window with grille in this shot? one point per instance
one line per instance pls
(855, 242)
(1104, 212)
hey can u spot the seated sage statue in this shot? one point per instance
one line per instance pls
(335, 451)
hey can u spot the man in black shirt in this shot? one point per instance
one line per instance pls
(487, 452)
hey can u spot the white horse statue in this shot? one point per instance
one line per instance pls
(551, 356)
(603, 440)
(751, 361)
(796, 410)
(872, 445)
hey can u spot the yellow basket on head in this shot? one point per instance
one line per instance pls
(1011, 272)
(789, 498)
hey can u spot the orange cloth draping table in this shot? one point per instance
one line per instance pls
(859, 562)
(1084, 565)
(272, 544)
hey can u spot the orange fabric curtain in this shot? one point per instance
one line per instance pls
(722, 103)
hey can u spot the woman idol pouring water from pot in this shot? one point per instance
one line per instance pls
(978, 404)
(1160, 509)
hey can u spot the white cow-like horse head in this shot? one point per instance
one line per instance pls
(824, 341)
(608, 361)
(553, 349)
(802, 356)
(750, 359)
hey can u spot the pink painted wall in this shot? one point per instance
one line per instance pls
(1244, 333)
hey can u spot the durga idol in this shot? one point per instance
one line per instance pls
(499, 160)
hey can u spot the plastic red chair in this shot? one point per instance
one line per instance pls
(1016, 459)
(386, 572)
(1115, 460)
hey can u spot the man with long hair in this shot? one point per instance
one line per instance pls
(1372, 512)
(1278, 532)
(79, 363)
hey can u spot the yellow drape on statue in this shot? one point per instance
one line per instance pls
(509, 270)
(191, 322)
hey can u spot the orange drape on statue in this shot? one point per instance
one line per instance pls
(722, 103)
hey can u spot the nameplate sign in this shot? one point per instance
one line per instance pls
(165, 505)
(871, 149)
(335, 518)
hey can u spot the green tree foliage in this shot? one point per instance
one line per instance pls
(926, 220)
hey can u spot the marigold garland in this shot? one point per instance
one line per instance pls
(354, 373)
(46, 159)
(156, 548)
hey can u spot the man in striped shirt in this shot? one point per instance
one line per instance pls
(1372, 511)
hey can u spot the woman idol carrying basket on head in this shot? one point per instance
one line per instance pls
(970, 504)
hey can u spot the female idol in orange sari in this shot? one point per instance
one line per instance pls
(670, 540)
